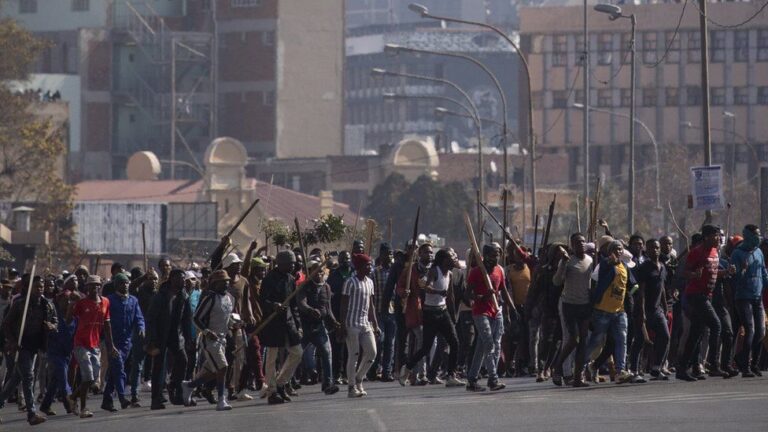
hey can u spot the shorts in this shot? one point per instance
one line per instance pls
(214, 354)
(89, 362)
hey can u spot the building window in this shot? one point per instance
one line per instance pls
(741, 95)
(268, 98)
(671, 96)
(741, 45)
(245, 3)
(578, 96)
(80, 5)
(649, 47)
(693, 95)
(717, 94)
(605, 49)
(626, 97)
(762, 45)
(559, 99)
(604, 98)
(650, 97)
(762, 95)
(27, 6)
(268, 38)
(559, 50)
(717, 52)
(672, 41)
(694, 47)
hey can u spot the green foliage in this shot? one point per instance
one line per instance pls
(329, 229)
(442, 206)
(277, 231)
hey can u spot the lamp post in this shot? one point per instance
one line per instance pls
(379, 72)
(731, 117)
(423, 11)
(614, 13)
(396, 49)
(647, 130)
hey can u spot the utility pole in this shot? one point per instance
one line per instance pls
(585, 127)
(631, 207)
(705, 119)
(173, 108)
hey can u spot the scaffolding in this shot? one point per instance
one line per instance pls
(175, 87)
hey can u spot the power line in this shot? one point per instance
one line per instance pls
(730, 26)
(615, 74)
(671, 41)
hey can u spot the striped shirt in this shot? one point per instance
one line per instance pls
(359, 292)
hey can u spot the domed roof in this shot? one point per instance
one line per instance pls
(143, 165)
(415, 153)
(226, 151)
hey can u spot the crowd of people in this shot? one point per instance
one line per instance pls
(574, 314)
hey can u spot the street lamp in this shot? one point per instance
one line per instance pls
(423, 11)
(651, 136)
(614, 13)
(380, 72)
(397, 49)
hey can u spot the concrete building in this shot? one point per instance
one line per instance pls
(668, 94)
(170, 75)
(362, 13)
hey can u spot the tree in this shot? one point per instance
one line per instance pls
(32, 149)
(442, 206)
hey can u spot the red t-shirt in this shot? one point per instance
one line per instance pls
(90, 320)
(475, 279)
(709, 260)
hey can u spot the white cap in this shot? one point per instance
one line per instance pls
(230, 259)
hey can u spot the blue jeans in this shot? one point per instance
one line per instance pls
(488, 349)
(322, 343)
(388, 332)
(23, 373)
(752, 316)
(138, 356)
(57, 379)
(116, 375)
(616, 324)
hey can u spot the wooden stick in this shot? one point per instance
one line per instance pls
(535, 233)
(26, 308)
(411, 260)
(505, 233)
(479, 259)
(389, 231)
(287, 300)
(549, 220)
(98, 263)
(679, 230)
(370, 227)
(301, 245)
(144, 246)
(242, 218)
(504, 225)
(578, 214)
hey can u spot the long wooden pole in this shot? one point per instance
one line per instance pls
(479, 260)
(26, 308)
(549, 220)
(242, 218)
(301, 245)
(504, 223)
(144, 246)
(411, 260)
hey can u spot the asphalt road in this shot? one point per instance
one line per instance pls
(712, 405)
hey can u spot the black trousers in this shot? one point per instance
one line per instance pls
(702, 315)
(176, 359)
(437, 322)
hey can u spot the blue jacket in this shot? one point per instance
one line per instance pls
(60, 342)
(751, 276)
(125, 315)
(605, 275)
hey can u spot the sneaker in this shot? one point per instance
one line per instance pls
(223, 405)
(731, 372)
(580, 383)
(452, 381)
(36, 420)
(48, 411)
(623, 377)
(403, 378)
(352, 392)
(74, 404)
(387, 378)
(474, 387)
(594, 375)
(135, 402)
(108, 407)
(436, 381)
(243, 396)
(85, 414)
(717, 372)
(186, 392)
(274, 398)
(124, 403)
(747, 374)
(756, 370)
(658, 375)
(540, 377)
(557, 379)
(360, 389)
(282, 391)
(684, 376)
(496, 386)
(637, 379)
(332, 389)
(421, 382)
(290, 390)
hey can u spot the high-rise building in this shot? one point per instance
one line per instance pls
(361, 13)
(171, 75)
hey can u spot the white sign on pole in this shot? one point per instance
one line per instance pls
(707, 187)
